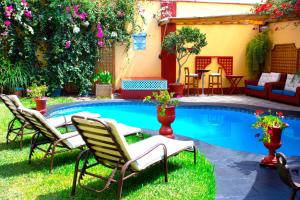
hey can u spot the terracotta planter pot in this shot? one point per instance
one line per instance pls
(103, 90)
(41, 104)
(275, 143)
(166, 121)
(177, 88)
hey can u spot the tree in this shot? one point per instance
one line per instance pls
(185, 42)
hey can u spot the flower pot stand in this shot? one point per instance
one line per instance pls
(166, 120)
(275, 143)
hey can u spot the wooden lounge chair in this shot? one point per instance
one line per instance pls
(285, 175)
(12, 102)
(54, 138)
(109, 148)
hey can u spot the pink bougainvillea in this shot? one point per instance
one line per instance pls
(68, 44)
(7, 23)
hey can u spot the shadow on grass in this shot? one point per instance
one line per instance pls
(38, 164)
(15, 145)
(153, 175)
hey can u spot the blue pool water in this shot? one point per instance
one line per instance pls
(220, 126)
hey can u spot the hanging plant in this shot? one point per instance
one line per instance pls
(257, 52)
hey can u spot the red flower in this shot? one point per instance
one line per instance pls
(270, 131)
(259, 112)
(280, 114)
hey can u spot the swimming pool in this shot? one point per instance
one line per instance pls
(222, 126)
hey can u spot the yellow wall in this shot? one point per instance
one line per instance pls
(141, 63)
(225, 40)
(285, 32)
(190, 9)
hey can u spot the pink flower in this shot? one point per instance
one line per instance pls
(100, 43)
(24, 3)
(28, 90)
(9, 8)
(68, 44)
(100, 33)
(68, 9)
(28, 14)
(121, 14)
(76, 9)
(83, 16)
(7, 23)
(270, 131)
(5, 33)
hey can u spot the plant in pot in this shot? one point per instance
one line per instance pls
(104, 88)
(165, 110)
(184, 43)
(272, 126)
(14, 77)
(257, 51)
(38, 94)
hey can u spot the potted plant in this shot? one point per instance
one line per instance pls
(257, 52)
(272, 126)
(38, 94)
(104, 88)
(185, 42)
(165, 110)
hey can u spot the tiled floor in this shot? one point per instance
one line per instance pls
(241, 100)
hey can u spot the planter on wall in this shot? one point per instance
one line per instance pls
(177, 88)
(103, 90)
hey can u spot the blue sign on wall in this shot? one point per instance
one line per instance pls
(139, 41)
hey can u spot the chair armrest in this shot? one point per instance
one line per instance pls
(270, 85)
(62, 139)
(251, 82)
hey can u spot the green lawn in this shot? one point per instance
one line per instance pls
(19, 180)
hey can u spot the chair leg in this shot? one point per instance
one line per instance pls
(32, 145)
(120, 182)
(195, 155)
(52, 156)
(9, 129)
(166, 168)
(293, 195)
(76, 172)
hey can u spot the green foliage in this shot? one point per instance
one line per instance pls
(65, 35)
(257, 52)
(13, 75)
(36, 91)
(185, 42)
(268, 121)
(104, 77)
(163, 99)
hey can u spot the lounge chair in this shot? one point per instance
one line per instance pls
(12, 102)
(109, 148)
(285, 175)
(54, 138)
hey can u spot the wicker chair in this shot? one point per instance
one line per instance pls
(110, 149)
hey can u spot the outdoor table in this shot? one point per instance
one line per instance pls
(202, 71)
(234, 81)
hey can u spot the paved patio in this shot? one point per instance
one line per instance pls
(238, 174)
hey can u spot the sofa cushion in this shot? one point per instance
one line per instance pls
(264, 78)
(291, 83)
(255, 87)
(277, 91)
(274, 77)
(289, 93)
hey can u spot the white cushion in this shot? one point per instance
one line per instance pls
(122, 128)
(73, 142)
(173, 146)
(263, 79)
(215, 74)
(274, 77)
(66, 119)
(268, 77)
(193, 75)
(291, 84)
(16, 100)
